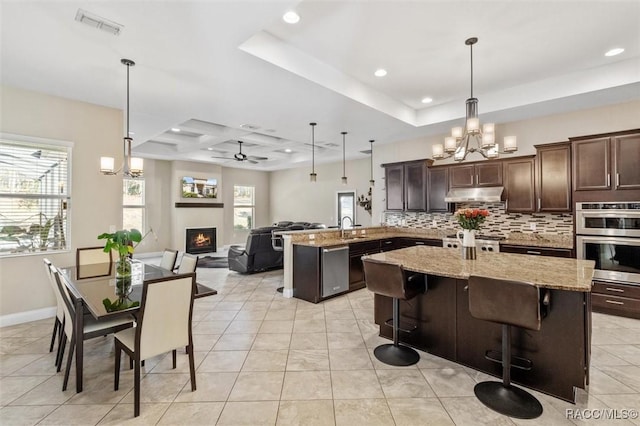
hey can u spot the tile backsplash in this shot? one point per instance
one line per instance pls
(499, 221)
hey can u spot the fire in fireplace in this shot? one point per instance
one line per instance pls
(201, 240)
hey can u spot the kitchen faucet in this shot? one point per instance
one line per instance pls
(342, 224)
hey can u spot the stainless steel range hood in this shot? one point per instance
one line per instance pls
(460, 195)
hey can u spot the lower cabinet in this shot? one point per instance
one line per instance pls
(320, 272)
(356, 270)
(616, 299)
(536, 251)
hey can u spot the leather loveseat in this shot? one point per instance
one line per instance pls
(257, 254)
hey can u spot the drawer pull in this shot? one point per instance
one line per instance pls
(615, 289)
(533, 252)
(614, 302)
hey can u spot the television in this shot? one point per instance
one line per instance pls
(199, 188)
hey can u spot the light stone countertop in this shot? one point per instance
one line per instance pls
(331, 237)
(542, 271)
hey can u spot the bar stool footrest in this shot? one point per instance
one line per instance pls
(389, 323)
(516, 361)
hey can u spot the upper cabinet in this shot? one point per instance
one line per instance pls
(437, 187)
(553, 172)
(519, 185)
(406, 185)
(605, 167)
(476, 175)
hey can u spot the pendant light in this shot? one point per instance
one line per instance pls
(458, 145)
(344, 174)
(313, 175)
(132, 166)
(371, 181)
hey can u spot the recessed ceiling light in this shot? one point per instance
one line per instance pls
(287, 150)
(210, 149)
(291, 17)
(175, 129)
(427, 100)
(614, 52)
(381, 72)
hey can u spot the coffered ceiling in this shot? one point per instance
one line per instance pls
(223, 71)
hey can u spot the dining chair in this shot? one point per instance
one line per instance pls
(163, 324)
(92, 327)
(93, 262)
(59, 320)
(169, 258)
(188, 264)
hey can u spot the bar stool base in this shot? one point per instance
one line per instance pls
(400, 355)
(510, 401)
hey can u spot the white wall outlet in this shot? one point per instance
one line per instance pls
(112, 229)
(312, 236)
(363, 232)
(532, 226)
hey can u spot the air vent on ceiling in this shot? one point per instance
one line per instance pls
(98, 22)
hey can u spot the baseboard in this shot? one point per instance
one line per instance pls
(28, 316)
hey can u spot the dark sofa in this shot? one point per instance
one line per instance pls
(261, 253)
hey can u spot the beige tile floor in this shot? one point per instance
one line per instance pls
(262, 359)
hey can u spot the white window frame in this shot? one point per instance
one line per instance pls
(46, 143)
(245, 206)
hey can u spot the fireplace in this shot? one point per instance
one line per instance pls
(201, 240)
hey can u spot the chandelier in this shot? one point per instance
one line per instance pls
(459, 144)
(132, 166)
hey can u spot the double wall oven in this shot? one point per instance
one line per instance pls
(609, 234)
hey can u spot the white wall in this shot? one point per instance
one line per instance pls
(96, 201)
(295, 198)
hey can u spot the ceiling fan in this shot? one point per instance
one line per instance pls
(240, 156)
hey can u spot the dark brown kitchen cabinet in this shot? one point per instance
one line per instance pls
(406, 185)
(536, 251)
(476, 175)
(605, 167)
(356, 270)
(553, 177)
(519, 185)
(616, 299)
(437, 187)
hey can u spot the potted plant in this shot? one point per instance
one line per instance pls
(122, 242)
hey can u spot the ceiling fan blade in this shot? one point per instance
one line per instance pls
(252, 161)
(224, 158)
(253, 157)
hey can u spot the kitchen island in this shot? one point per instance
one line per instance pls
(560, 351)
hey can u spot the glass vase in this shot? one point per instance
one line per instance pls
(123, 276)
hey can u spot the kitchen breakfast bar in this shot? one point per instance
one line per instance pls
(443, 326)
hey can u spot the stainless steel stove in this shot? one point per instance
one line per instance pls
(485, 243)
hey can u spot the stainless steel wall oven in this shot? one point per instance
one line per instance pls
(609, 234)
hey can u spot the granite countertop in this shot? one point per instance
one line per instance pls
(331, 237)
(542, 271)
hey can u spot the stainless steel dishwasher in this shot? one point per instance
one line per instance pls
(335, 270)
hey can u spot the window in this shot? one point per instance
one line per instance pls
(243, 207)
(133, 204)
(34, 195)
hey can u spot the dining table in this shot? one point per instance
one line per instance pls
(100, 297)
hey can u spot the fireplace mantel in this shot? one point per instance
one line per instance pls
(201, 205)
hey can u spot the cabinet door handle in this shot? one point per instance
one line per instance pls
(617, 180)
(533, 252)
(418, 243)
(618, 290)
(538, 204)
(614, 302)
(388, 242)
(608, 179)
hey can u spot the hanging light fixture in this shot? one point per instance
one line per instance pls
(132, 166)
(313, 175)
(371, 181)
(458, 144)
(344, 173)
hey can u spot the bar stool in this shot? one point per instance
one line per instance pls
(391, 280)
(510, 303)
